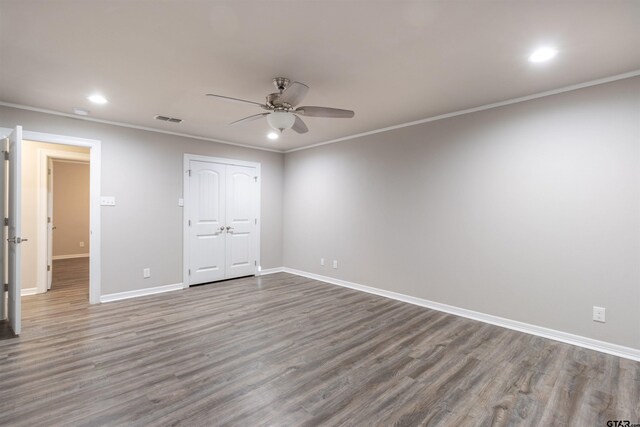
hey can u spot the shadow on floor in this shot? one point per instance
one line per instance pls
(5, 331)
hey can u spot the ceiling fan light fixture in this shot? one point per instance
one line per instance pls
(281, 120)
(272, 135)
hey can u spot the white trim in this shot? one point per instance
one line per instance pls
(73, 162)
(43, 156)
(563, 89)
(28, 291)
(185, 211)
(265, 271)
(476, 109)
(223, 160)
(565, 337)
(140, 292)
(55, 257)
(94, 195)
(127, 125)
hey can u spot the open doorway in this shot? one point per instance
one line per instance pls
(19, 208)
(55, 198)
(68, 226)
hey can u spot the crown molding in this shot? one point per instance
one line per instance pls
(476, 109)
(128, 125)
(344, 138)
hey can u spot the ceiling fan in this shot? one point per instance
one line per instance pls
(281, 108)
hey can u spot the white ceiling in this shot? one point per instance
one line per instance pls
(390, 61)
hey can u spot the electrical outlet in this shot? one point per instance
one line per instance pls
(335, 263)
(146, 273)
(322, 262)
(82, 244)
(599, 314)
(107, 201)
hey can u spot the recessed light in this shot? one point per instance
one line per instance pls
(272, 135)
(543, 54)
(80, 112)
(97, 99)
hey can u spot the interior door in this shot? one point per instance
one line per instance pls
(3, 232)
(206, 216)
(242, 185)
(14, 239)
(50, 226)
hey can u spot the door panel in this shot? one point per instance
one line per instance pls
(50, 222)
(207, 215)
(241, 219)
(14, 229)
(3, 232)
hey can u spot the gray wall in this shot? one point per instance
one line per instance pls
(529, 211)
(143, 170)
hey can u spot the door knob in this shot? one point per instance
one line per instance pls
(221, 228)
(54, 227)
(229, 227)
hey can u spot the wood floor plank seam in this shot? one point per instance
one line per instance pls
(281, 349)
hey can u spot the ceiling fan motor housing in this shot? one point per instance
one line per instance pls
(281, 83)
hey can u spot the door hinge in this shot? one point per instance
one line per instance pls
(48, 220)
(48, 171)
(48, 268)
(255, 263)
(189, 223)
(256, 221)
(189, 172)
(6, 287)
(255, 178)
(189, 272)
(6, 155)
(6, 222)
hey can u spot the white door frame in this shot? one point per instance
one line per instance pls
(185, 216)
(44, 155)
(95, 148)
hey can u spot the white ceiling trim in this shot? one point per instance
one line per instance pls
(476, 109)
(345, 138)
(127, 125)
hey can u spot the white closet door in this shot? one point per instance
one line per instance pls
(241, 198)
(207, 215)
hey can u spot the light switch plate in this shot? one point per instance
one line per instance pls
(146, 273)
(180, 201)
(107, 201)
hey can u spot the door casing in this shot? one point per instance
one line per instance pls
(46, 156)
(185, 218)
(94, 209)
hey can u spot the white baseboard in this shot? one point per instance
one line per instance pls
(28, 291)
(70, 256)
(265, 271)
(140, 292)
(565, 337)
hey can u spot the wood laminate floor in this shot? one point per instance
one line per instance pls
(285, 350)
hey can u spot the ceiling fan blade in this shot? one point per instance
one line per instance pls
(294, 93)
(299, 126)
(249, 119)
(324, 112)
(241, 101)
